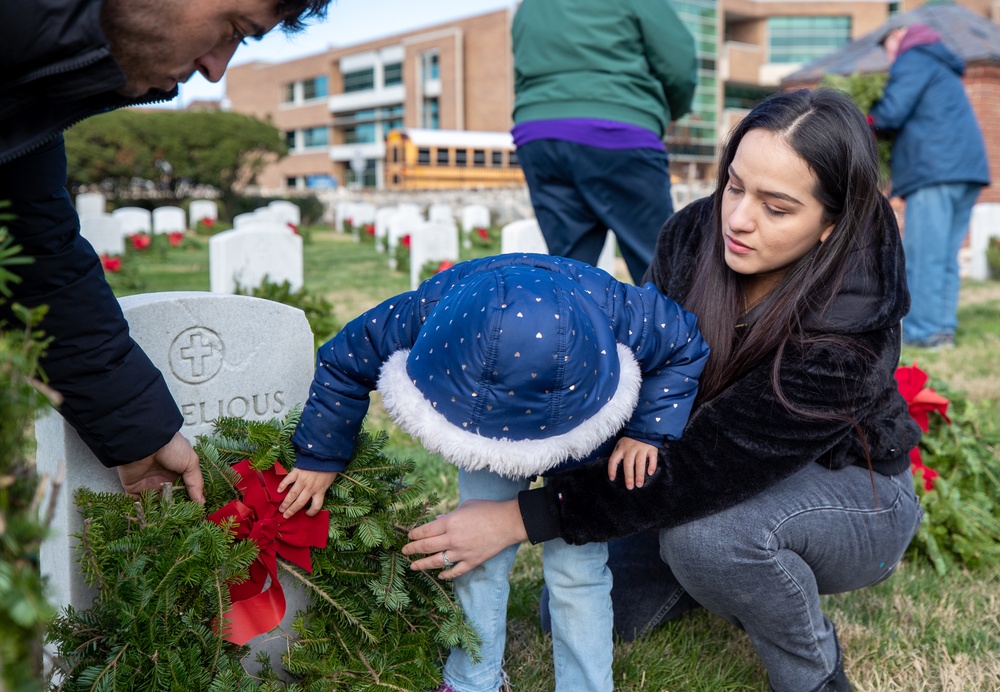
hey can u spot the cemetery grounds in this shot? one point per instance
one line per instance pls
(917, 631)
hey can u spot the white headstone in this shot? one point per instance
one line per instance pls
(169, 220)
(344, 213)
(526, 236)
(134, 220)
(362, 215)
(247, 255)
(431, 241)
(201, 209)
(607, 259)
(230, 355)
(269, 216)
(286, 212)
(244, 220)
(90, 203)
(382, 216)
(104, 233)
(523, 236)
(984, 226)
(473, 216)
(402, 223)
(440, 212)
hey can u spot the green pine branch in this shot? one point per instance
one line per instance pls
(163, 574)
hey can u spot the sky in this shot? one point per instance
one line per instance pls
(348, 22)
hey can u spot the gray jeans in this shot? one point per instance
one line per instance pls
(763, 564)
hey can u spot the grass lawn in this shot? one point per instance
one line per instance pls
(917, 631)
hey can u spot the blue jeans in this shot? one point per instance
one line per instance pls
(580, 583)
(579, 192)
(937, 218)
(763, 564)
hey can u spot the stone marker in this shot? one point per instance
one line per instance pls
(220, 355)
(984, 228)
(286, 212)
(201, 209)
(169, 220)
(526, 236)
(104, 233)
(134, 220)
(431, 241)
(246, 255)
(92, 203)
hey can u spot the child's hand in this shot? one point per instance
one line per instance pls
(304, 486)
(638, 459)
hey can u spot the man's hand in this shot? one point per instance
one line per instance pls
(176, 458)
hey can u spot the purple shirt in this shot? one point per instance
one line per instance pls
(603, 134)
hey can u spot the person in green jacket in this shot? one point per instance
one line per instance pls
(596, 84)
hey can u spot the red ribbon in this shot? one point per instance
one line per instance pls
(921, 401)
(256, 610)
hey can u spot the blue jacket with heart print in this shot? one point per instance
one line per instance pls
(517, 363)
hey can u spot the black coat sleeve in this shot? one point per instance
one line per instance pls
(112, 394)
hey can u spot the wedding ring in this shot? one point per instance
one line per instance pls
(448, 564)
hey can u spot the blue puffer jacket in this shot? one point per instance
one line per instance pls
(518, 350)
(938, 139)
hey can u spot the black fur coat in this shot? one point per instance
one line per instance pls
(744, 440)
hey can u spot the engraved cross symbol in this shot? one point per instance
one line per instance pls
(197, 353)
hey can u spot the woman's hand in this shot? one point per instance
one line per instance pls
(471, 535)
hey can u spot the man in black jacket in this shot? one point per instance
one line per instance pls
(62, 61)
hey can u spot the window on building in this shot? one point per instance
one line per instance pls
(424, 156)
(430, 116)
(288, 94)
(393, 73)
(395, 155)
(291, 182)
(512, 160)
(314, 88)
(368, 178)
(478, 158)
(443, 157)
(290, 140)
(359, 80)
(497, 159)
(801, 39)
(429, 66)
(359, 134)
(315, 137)
(461, 157)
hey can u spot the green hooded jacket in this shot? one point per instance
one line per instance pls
(630, 61)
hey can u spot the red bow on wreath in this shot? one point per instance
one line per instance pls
(920, 401)
(256, 610)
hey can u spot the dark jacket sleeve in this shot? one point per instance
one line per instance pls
(112, 394)
(347, 370)
(733, 448)
(908, 78)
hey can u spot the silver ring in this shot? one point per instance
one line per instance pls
(448, 564)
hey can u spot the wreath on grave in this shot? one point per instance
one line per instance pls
(179, 595)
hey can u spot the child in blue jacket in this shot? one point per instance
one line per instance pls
(511, 367)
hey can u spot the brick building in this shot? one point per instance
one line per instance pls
(336, 107)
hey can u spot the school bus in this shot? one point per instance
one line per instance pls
(418, 159)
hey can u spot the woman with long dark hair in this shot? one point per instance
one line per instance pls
(792, 477)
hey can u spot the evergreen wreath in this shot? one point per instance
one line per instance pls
(163, 574)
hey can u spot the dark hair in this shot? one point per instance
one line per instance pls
(294, 13)
(830, 134)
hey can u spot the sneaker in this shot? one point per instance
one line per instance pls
(935, 342)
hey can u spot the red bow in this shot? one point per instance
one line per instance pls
(920, 401)
(256, 610)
